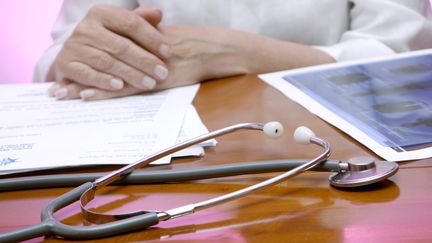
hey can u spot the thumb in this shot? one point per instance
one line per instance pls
(152, 15)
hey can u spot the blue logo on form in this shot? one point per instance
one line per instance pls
(6, 161)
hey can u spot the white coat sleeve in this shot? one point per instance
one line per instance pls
(71, 13)
(382, 27)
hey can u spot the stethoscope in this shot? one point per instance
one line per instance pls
(355, 172)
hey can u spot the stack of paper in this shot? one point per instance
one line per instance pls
(39, 132)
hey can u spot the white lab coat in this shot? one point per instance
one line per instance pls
(345, 29)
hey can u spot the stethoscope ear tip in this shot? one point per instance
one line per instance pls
(273, 129)
(303, 135)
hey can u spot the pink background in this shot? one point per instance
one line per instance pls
(25, 27)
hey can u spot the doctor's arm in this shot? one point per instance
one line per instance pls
(195, 54)
(204, 53)
(198, 53)
(384, 27)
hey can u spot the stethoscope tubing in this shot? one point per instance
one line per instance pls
(49, 225)
(169, 176)
(88, 183)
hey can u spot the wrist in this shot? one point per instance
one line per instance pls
(207, 51)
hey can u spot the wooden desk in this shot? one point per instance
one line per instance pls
(303, 209)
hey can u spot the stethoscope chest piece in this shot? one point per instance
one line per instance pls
(361, 171)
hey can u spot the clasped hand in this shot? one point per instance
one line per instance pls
(114, 52)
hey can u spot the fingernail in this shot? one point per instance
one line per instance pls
(116, 83)
(87, 93)
(161, 72)
(165, 50)
(52, 89)
(148, 82)
(60, 93)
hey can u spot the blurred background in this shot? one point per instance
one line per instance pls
(25, 27)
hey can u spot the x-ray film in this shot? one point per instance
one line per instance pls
(388, 100)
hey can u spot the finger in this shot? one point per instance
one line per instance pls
(130, 24)
(68, 90)
(87, 76)
(152, 15)
(55, 86)
(120, 48)
(98, 94)
(105, 63)
(52, 89)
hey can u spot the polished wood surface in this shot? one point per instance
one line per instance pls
(302, 209)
